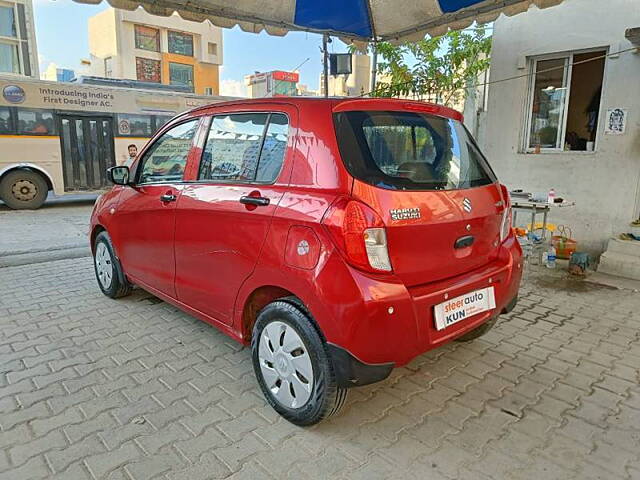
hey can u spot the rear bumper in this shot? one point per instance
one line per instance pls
(391, 324)
(352, 372)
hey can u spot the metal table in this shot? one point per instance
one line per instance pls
(535, 209)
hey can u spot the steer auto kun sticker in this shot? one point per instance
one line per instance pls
(463, 307)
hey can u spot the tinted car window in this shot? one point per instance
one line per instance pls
(273, 149)
(233, 147)
(166, 159)
(410, 151)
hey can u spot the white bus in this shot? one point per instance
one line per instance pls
(62, 137)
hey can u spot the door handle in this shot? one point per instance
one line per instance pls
(257, 201)
(168, 197)
(464, 242)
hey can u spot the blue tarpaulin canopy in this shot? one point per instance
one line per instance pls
(351, 20)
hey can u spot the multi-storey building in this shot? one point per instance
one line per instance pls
(56, 74)
(276, 83)
(169, 50)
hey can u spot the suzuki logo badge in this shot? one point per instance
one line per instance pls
(466, 205)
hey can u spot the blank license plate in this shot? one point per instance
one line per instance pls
(463, 307)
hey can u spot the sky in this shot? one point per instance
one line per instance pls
(62, 36)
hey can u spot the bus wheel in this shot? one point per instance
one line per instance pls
(23, 189)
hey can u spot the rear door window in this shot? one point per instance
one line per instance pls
(410, 151)
(245, 148)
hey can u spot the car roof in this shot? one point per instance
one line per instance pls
(345, 104)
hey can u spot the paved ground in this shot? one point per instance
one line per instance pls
(57, 230)
(96, 388)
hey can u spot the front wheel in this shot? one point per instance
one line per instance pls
(109, 274)
(23, 189)
(292, 365)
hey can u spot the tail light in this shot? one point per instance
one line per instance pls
(505, 225)
(359, 233)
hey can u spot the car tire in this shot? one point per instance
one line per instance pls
(292, 365)
(478, 331)
(23, 189)
(109, 273)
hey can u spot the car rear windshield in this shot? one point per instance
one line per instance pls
(410, 151)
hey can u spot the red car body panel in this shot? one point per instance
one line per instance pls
(208, 253)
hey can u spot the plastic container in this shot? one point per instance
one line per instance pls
(550, 261)
(565, 246)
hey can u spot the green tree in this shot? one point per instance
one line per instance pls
(438, 69)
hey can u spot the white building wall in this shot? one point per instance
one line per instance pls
(604, 184)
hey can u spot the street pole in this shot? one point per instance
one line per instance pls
(374, 67)
(325, 61)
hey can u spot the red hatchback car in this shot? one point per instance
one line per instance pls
(340, 238)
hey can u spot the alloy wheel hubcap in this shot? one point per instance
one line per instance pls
(285, 365)
(24, 190)
(104, 265)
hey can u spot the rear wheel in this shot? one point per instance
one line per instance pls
(292, 365)
(109, 274)
(23, 189)
(478, 331)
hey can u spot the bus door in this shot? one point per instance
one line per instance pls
(87, 151)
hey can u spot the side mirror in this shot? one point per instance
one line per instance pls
(119, 175)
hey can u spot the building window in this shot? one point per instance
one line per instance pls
(180, 43)
(9, 56)
(208, 91)
(213, 48)
(180, 74)
(108, 67)
(564, 103)
(9, 60)
(7, 22)
(148, 70)
(147, 38)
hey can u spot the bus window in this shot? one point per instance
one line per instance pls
(5, 121)
(161, 120)
(134, 125)
(35, 122)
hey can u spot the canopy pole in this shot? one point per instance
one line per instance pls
(374, 67)
(325, 63)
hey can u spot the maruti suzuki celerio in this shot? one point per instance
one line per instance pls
(340, 238)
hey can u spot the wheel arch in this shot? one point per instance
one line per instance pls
(256, 301)
(97, 229)
(29, 167)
